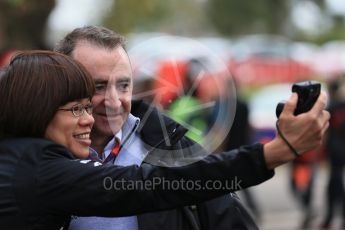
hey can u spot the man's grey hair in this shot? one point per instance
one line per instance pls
(96, 35)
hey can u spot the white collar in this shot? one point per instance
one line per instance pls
(128, 127)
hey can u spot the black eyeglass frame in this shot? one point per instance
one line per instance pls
(79, 109)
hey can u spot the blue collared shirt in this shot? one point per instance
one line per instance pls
(132, 152)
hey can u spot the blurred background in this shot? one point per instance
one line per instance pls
(216, 56)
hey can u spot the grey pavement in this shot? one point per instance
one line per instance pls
(280, 210)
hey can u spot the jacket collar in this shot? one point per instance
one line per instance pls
(155, 127)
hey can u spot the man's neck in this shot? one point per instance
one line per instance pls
(99, 142)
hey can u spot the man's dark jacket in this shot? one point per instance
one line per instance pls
(222, 213)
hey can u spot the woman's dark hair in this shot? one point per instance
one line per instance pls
(34, 85)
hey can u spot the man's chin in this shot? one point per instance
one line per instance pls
(108, 125)
(103, 132)
(107, 128)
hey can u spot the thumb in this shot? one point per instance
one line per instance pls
(291, 104)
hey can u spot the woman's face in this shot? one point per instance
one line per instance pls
(71, 129)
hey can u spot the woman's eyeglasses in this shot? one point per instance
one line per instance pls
(79, 109)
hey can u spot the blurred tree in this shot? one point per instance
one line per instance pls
(233, 17)
(201, 17)
(22, 23)
(132, 15)
(320, 3)
(239, 17)
(337, 32)
(176, 17)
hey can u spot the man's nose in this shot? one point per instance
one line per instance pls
(112, 98)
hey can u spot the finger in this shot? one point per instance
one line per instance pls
(320, 104)
(325, 127)
(291, 104)
(326, 116)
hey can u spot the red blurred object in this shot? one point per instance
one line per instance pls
(262, 71)
(171, 77)
(169, 81)
(6, 56)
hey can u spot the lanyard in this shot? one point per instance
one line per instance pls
(114, 152)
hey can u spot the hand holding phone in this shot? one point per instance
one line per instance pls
(308, 92)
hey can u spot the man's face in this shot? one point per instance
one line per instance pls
(112, 74)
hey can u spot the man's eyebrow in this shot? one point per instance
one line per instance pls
(99, 81)
(123, 79)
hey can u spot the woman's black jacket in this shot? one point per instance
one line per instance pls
(42, 184)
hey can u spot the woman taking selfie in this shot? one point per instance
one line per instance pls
(45, 124)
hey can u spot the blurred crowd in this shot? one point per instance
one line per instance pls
(203, 99)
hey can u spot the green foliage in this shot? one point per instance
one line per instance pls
(239, 17)
(14, 3)
(182, 17)
(129, 15)
(337, 32)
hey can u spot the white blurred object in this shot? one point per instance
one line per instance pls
(262, 105)
(303, 51)
(260, 45)
(330, 59)
(336, 6)
(67, 15)
(148, 50)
